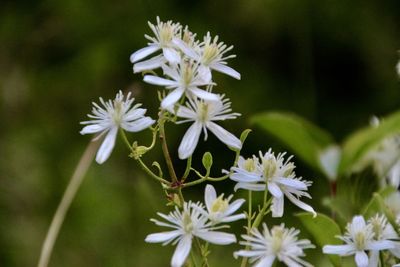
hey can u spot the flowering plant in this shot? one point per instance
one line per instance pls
(184, 68)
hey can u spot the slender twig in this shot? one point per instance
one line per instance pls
(152, 174)
(66, 201)
(165, 150)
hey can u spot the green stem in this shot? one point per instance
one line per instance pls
(165, 150)
(204, 262)
(67, 198)
(125, 139)
(152, 174)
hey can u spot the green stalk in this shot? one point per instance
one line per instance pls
(67, 198)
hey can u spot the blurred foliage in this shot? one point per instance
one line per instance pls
(331, 62)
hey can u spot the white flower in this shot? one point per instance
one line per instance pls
(107, 119)
(276, 175)
(186, 79)
(187, 224)
(393, 203)
(211, 54)
(203, 114)
(164, 34)
(359, 238)
(384, 159)
(218, 208)
(280, 243)
(383, 231)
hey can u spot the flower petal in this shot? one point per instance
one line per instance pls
(185, 48)
(171, 55)
(182, 251)
(341, 250)
(162, 237)
(300, 204)
(361, 259)
(274, 189)
(94, 128)
(234, 206)
(144, 52)
(189, 141)
(296, 184)
(150, 64)
(138, 125)
(380, 245)
(226, 70)
(233, 218)
(158, 81)
(215, 237)
(204, 94)
(266, 261)
(277, 207)
(224, 136)
(172, 98)
(209, 196)
(250, 186)
(205, 74)
(107, 146)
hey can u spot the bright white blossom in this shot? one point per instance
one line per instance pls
(384, 159)
(164, 35)
(108, 117)
(185, 80)
(203, 114)
(275, 174)
(279, 243)
(187, 224)
(218, 208)
(211, 54)
(359, 238)
(393, 203)
(383, 231)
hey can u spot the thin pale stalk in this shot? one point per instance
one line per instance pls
(68, 197)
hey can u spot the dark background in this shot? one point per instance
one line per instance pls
(332, 62)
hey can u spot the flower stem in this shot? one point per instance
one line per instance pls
(165, 150)
(152, 175)
(69, 195)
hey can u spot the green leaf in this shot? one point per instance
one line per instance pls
(323, 229)
(358, 144)
(305, 139)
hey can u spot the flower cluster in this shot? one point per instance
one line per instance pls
(273, 173)
(187, 65)
(372, 236)
(196, 221)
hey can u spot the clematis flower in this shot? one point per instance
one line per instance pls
(277, 176)
(187, 224)
(186, 79)
(203, 114)
(383, 230)
(164, 34)
(218, 208)
(359, 238)
(109, 117)
(211, 54)
(392, 202)
(279, 244)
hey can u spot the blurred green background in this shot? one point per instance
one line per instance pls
(332, 62)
